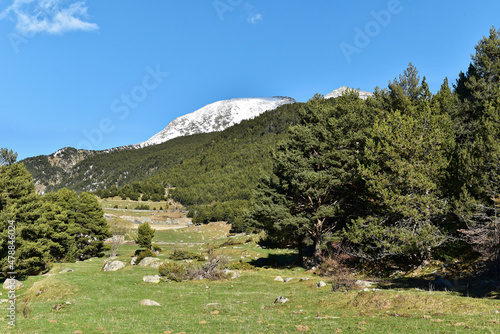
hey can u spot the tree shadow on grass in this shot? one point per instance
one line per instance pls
(473, 287)
(278, 261)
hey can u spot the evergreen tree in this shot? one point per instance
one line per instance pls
(7, 157)
(145, 235)
(404, 166)
(20, 205)
(476, 166)
(314, 189)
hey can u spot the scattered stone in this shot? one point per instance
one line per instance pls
(133, 261)
(363, 284)
(278, 279)
(213, 304)
(234, 274)
(38, 293)
(364, 290)
(288, 279)
(281, 300)
(113, 266)
(320, 284)
(149, 302)
(67, 270)
(155, 264)
(152, 278)
(304, 279)
(12, 284)
(147, 261)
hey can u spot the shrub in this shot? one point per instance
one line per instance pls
(155, 247)
(144, 254)
(173, 271)
(142, 207)
(182, 272)
(240, 266)
(186, 255)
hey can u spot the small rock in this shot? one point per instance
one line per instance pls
(213, 304)
(363, 284)
(234, 274)
(304, 279)
(149, 302)
(12, 284)
(281, 300)
(278, 279)
(113, 266)
(288, 279)
(152, 278)
(38, 293)
(67, 270)
(133, 261)
(320, 284)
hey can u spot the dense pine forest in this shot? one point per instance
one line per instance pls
(396, 179)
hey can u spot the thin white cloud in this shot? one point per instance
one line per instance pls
(35, 16)
(254, 18)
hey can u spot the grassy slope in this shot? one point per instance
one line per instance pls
(108, 302)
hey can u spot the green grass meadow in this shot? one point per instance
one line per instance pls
(108, 302)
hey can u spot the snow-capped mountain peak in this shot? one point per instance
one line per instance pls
(339, 91)
(216, 116)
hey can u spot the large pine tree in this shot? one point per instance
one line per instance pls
(476, 163)
(315, 184)
(404, 166)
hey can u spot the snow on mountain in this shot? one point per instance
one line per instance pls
(216, 116)
(339, 91)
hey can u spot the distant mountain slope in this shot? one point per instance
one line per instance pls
(244, 146)
(216, 116)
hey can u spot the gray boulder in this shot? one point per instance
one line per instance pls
(152, 278)
(12, 284)
(147, 261)
(113, 266)
(288, 279)
(278, 279)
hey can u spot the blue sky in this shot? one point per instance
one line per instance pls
(104, 73)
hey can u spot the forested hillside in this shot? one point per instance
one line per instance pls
(213, 174)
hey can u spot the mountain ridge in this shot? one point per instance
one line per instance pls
(216, 116)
